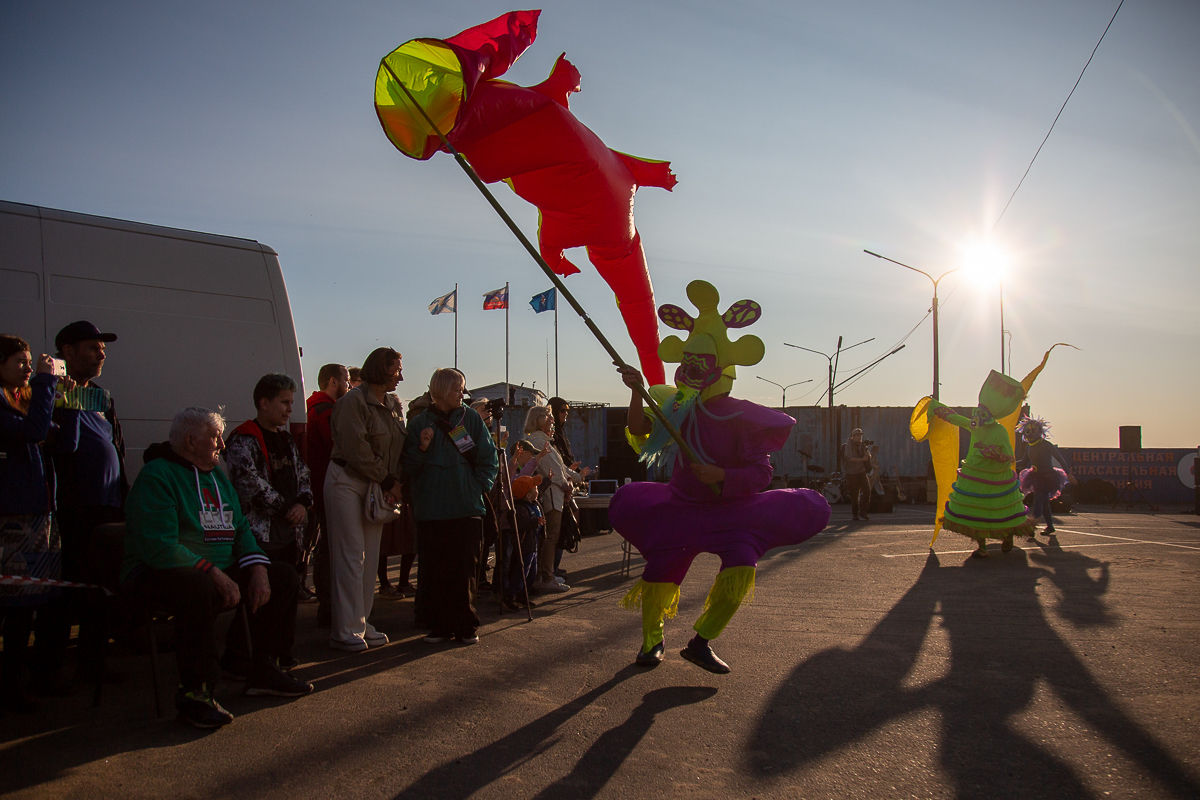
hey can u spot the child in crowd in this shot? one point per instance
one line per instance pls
(530, 523)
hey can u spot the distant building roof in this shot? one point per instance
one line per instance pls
(520, 395)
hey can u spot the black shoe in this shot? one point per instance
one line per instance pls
(517, 601)
(306, 594)
(560, 572)
(467, 637)
(702, 656)
(652, 658)
(324, 617)
(287, 663)
(1049, 530)
(270, 680)
(200, 709)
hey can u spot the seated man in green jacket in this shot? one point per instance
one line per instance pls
(189, 550)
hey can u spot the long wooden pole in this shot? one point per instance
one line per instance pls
(533, 251)
(507, 396)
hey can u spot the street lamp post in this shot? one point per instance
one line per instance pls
(833, 359)
(784, 388)
(1003, 371)
(935, 281)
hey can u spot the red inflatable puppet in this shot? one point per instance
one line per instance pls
(528, 138)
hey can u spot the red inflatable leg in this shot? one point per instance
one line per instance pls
(625, 271)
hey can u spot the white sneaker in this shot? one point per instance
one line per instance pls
(553, 586)
(558, 579)
(353, 646)
(376, 639)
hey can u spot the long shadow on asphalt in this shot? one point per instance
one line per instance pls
(1001, 648)
(464, 776)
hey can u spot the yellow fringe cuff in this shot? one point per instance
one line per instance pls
(734, 585)
(654, 595)
(636, 441)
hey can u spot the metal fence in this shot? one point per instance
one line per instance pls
(815, 439)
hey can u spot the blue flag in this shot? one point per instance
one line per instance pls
(546, 301)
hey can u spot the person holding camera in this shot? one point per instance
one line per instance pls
(856, 462)
(29, 538)
(539, 430)
(451, 460)
(495, 500)
(368, 437)
(92, 485)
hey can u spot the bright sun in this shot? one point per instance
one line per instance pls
(984, 261)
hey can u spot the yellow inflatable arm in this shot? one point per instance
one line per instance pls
(943, 447)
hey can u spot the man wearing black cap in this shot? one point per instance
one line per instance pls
(91, 487)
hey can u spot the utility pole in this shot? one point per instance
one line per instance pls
(832, 358)
(936, 382)
(784, 388)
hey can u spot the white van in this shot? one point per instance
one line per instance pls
(200, 318)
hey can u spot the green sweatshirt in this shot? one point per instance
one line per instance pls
(172, 518)
(444, 486)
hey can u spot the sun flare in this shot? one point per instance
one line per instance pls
(985, 262)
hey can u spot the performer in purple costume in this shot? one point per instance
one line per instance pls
(1041, 478)
(717, 506)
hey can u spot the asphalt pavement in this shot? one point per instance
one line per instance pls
(867, 666)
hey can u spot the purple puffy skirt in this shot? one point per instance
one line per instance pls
(1033, 482)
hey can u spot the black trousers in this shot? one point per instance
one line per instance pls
(450, 556)
(859, 486)
(237, 653)
(191, 596)
(87, 558)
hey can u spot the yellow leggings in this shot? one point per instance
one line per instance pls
(661, 600)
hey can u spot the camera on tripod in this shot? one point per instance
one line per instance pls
(496, 407)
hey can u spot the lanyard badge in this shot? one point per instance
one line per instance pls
(462, 440)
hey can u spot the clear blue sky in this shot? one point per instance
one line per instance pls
(801, 133)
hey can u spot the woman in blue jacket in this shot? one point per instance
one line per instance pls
(451, 459)
(28, 530)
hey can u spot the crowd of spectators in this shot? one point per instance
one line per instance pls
(436, 487)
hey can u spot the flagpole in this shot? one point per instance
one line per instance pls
(455, 325)
(684, 447)
(556, 344)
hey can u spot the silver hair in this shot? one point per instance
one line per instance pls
(444, 381)
(194, 421)
(537, 415)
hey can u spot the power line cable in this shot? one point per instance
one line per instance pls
(1056, 116)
